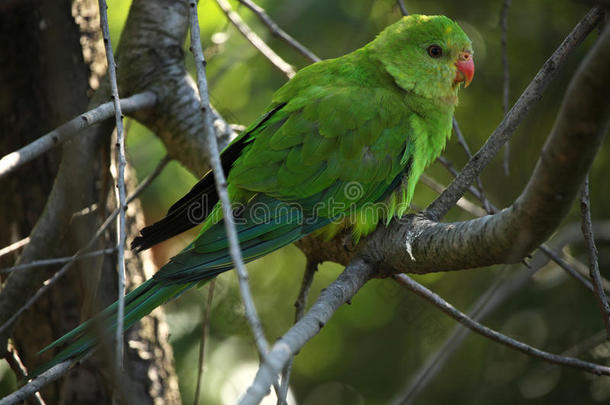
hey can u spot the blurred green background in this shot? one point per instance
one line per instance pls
(371, 348)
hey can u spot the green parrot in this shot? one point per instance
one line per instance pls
(342, 145)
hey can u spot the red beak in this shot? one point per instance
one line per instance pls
(465, 69)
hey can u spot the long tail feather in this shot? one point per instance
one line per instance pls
(138, 303)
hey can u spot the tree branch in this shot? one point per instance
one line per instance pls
(120, 185)
(56, 260)
(71, 128)
(330, 299)
(255, 40)
(152, 56)
(506, 74)
(596, 278)
(221, 188)
(37, 383)
(276, 31)
(14, 246)
(447, 308)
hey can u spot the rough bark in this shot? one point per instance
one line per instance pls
(151, 58)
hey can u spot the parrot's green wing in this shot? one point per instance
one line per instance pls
(196, 205)
(327, 146)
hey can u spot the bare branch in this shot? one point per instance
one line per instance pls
(462, 203)
(14, 247)
(37, 383)
(451, 169)
(554, 256)
(300, 304)
(120, 184)
(15, 363)
(205, 328)
(58, 260)
(596, 278)
(331, 298)
(221, 187)
(506, 74)
(276, 31)
(464, 144)
(43, 144)
(403, 9)
(255, 40)
(530, 96)
(459, 316)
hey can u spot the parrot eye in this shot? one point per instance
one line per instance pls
(435, 51)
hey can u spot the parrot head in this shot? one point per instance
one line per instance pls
(427, 55)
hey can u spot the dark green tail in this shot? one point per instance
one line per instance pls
(138, 303)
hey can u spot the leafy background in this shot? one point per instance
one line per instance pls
(371, 348)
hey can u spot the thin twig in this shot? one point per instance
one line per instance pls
(221, 187)
(464, 145)
(402, 7)
(596, 278)
(255, 40)
(276, 31)
(15, 363)
(490, 298)
(506, 75)
(583, 269)
(205, 329)
(121, 162)
(511, 121)
(100, 231)
(56, 260)
(462, 203)
(461, 139)
(551, 254)
(459, 316)
(299, 310)
(13, 160)
(14, 246)
(37, 383)
(355, 275)
(453, 171)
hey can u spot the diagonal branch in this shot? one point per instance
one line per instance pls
(120, 184)
(506, 74)
(71, 128)
(255, 40)
(331, 298)
(276, 31)
(221, 187)
(37, 383)
(447, 308)
(596, 278)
